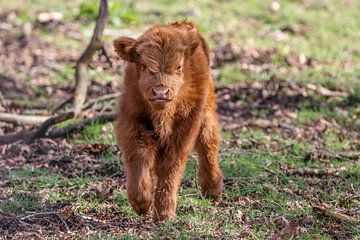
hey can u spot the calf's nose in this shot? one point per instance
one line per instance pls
(160, 93)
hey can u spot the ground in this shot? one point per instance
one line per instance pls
(288, 100)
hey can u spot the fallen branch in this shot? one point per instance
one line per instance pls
(30, 135)
(101, 99)
(23, 119)
(82, 63)
(338, 216)
(42, 131)
(36, 119)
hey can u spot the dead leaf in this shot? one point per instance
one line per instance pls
(293, 229)
(243, 201)
(96, 148)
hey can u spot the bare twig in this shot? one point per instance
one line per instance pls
(101, 99)
(107, 57)
(61, 105)
(89, 104)
(23, 119)
(338, 216)
(85, 58)
(41, 131)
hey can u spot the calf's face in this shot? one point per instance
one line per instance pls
(159, 57)
(161, 72)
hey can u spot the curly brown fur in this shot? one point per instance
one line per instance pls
(168, 107)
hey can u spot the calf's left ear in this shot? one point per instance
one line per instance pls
(126, 48)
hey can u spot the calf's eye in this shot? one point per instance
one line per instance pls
(178, 69)
(143, 67)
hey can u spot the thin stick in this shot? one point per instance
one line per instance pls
(85, 58)
(319, 172)
(61, 105)
(338, 216)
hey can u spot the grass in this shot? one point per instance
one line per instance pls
(258, 194)
(258, 191)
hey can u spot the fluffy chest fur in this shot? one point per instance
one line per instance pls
(165, 121)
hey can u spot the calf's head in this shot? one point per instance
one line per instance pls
(160, 55)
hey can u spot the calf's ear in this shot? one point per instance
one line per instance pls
(126, 48)
(193, 45)
(193, 39)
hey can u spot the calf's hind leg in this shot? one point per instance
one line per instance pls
(207, 147)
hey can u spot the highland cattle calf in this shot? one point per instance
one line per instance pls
(168, 107)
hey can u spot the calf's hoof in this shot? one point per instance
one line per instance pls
(164, 215)
(214, 188)
(141, 206)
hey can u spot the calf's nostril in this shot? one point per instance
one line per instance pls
(154, 92)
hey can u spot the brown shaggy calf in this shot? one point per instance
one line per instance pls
(168, 107)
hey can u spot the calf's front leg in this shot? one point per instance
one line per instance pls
(170, 164)
(139, 150)
(139, 182)
(169, 168)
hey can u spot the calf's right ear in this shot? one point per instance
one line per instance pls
(126, 48)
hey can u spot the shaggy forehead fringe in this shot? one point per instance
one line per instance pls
(162, 45)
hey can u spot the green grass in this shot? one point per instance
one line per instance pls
(98, 133)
